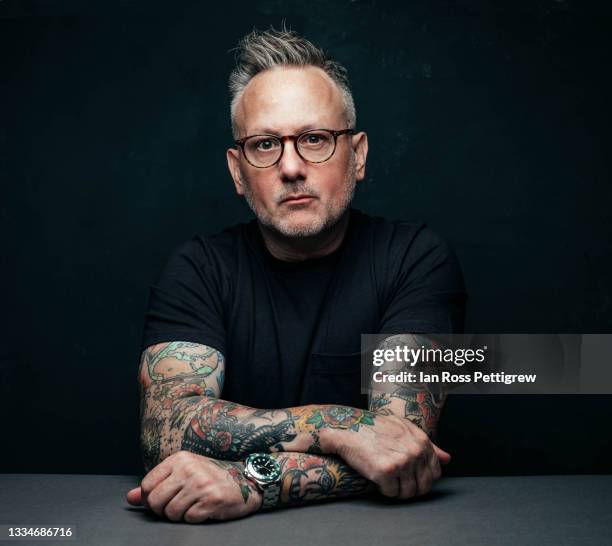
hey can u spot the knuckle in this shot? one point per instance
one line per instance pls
(153, 503)
(215, 498)
(194, 515)
(408, 490)
(388, 469)
(423, 444)
(422, 458)
(156, 509)
(200, 483)
(146, 486)
(182, 456)
(173, 513)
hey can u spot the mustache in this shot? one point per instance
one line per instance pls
(296, 190)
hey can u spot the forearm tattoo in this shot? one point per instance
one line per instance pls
(308, 478)
(223, 430)
(181, 410)
(421, 403)
(227, 431)
(235, 472)
(171, 373)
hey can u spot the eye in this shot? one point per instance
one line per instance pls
(314, 140)
(265, 144)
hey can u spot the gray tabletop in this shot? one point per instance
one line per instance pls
(501, 510)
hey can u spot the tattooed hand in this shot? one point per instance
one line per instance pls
(194, 488)
(392, 452)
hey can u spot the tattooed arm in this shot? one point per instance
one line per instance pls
(195, 488)
(421, 403)
(185, 429)
(180, 384)
(310, 478)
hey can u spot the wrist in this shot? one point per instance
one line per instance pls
(258, 499)
(263, 473)
(330, 440)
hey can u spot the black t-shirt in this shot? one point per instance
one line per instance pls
(290, 331)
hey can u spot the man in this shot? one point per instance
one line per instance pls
(269, 315)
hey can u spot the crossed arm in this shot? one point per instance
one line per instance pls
(325, 451)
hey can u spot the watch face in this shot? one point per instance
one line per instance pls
(263, 467)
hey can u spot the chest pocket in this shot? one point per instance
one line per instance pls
(335, 379)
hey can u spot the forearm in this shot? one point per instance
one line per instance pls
(417, 403)
(228, 431)
(420, 402)
(309, 478)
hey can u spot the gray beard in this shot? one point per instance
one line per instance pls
(332, 216)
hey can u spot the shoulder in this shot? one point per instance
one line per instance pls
(401, 239)
(407, 255)
(218, 250)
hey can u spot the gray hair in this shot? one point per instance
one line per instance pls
(264, 50)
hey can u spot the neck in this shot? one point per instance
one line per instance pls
(298, 249)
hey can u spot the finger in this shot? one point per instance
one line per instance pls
(442, 455)
(162, 494)
(179, 504)
(408, 487)
(434, 466)
(134, 496)
(390, 487)
(156, 476)
(424, 480)
(196, 513)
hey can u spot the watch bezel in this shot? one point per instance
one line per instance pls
(252, 471)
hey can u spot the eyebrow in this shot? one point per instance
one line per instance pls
(268, 131)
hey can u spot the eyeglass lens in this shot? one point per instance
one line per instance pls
(265, 150)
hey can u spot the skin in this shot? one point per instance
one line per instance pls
(192, 488)
(287, 101)
(187, 430)
(193, 442)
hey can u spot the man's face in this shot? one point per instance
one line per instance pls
(287, 101)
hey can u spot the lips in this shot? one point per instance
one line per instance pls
(298, 198)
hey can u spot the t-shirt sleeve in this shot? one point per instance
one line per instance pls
(185, 303)
(427, 291)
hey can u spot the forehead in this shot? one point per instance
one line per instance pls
(289, 99)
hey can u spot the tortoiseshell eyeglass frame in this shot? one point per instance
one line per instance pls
(241, 142)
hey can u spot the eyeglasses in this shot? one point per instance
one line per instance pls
(314, 146)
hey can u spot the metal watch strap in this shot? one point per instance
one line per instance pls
(270, 494)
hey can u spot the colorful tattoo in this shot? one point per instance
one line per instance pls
(216, 431)
(235, 473)
(177, 375)
(342, 417)
(307, 478)
(421, 403)
(151, 439)
(182, 411)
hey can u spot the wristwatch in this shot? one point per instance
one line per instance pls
(265, 471)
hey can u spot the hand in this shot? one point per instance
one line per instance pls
(193, 488)
(393, 453)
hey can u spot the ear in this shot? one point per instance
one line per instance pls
(233, 164)
(360, 147)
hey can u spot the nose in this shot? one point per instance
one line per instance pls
(291, 166)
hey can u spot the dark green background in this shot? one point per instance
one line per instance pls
(488, 120)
